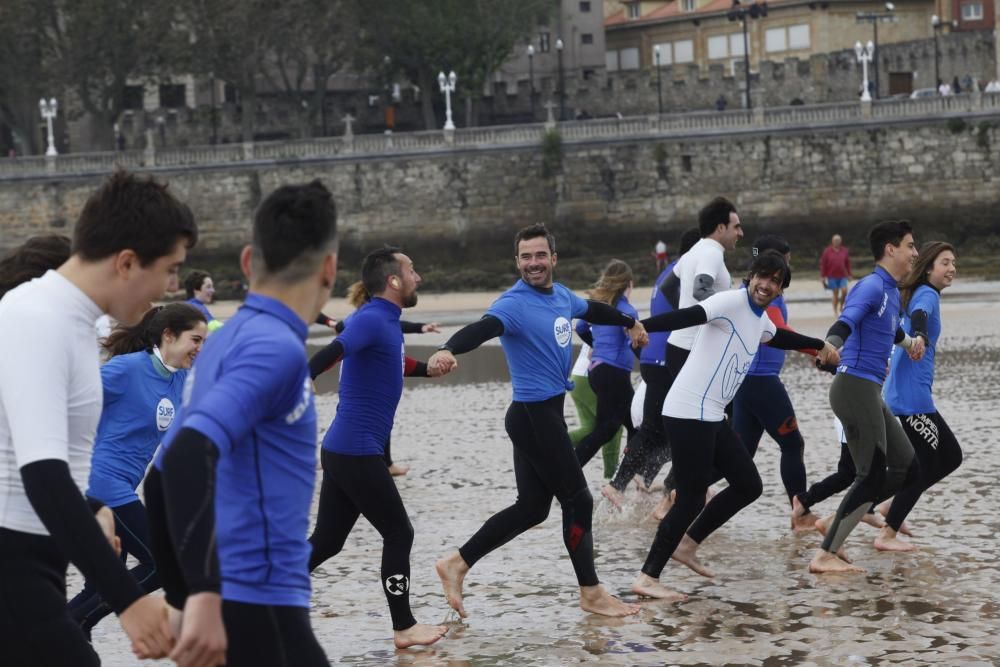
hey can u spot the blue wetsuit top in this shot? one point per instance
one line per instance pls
(202, 307)
(371, 380)
(251, 395)
(769, 360)
(908, 389)
(140, 399)
(537, 338)
(656, 351)
(872, 312)
(612, 344)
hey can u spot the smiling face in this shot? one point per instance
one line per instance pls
(943, 271)
(207, 292)
(731, 233)
(535, 261)
(899, 259)
(763, 289)
(181, 351)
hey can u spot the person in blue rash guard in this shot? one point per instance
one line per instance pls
(230, 493)
(200, 292)
(356, 480)
(611, 361)
(141, 384)
(866, 330)
(532, 319)
(908, 390)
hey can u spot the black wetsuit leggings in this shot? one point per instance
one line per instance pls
(613, 388)
(833, 483)
(36, 629)
(132, 528)
(939, 455)
(270, 635)
(762, 404)
(545, 465)
(699, 449)
(361, 485)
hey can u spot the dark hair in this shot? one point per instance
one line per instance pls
(688, 239)
(175, 317)
(32, 259)
(132, 213)
(921, 269)
(193, 282)
(771, 242)
(293, 228)
(889, 231)
(771, 263)
(533, 232)
(715, 213)
(377, 266)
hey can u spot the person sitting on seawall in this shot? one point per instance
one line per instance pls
(142, 384)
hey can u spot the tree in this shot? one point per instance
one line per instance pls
(21, 73)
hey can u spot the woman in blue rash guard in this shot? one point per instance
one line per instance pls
(142, 385)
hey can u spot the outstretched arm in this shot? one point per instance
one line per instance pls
(676, 319)
(602, 313)
(326, 359)
(465, 340)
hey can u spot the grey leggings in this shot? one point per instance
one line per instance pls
(883, 455)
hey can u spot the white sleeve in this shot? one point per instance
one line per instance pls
(715, 308)
(33, 388)
(767, 329)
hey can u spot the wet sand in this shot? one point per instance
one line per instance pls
(940, 605)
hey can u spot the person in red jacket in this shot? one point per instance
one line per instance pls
(835, 271)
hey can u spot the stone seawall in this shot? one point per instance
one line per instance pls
(458, 210)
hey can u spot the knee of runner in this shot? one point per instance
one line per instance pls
(753, 487)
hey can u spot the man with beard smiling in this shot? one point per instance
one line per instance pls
(356, 480)
(533, 320)
(735, 324)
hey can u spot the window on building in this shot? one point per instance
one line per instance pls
(611, 61)
(776, 39)
(972, 11)
(543, 42)
(588, 74)
(173, 95)
(666, 53)
(718, 47)
(133, 98)
(684, 51)
(687, 5)
(787, 38)
(629, 58)
(736, 44)
(229, 94)
(798, 36)
(585, 7)
(586, 38)
(633, 10)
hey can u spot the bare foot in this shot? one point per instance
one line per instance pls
(873, 519)
(613, 495)
(823, 525)
(596, 600)
(646, 586)
(842, 555)
(888, 540)
(452, 570)
(640, 483)
(884, 508)
(824, 562)
(418, 635)
(664, 505)
(398, 469)
(686, 553)
(802, 519)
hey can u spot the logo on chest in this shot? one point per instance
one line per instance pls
(563, 331)
(164, 414)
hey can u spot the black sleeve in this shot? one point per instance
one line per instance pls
(339, 326)
(70, 521)
(676, 319)
(411, 327)
(671, 288)
(326, 358)
(918, 319)
(838, 333)
(899, 337)
(324, 319)
(786, 339)
(602, 313)
(586, 335)
(473, 335)
(414, 369)
(189, 490)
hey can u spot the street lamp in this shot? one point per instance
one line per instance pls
(48, 111)
(562, 81)
(659, 89)
(742, 13)
(531, 77)
(447, 84)
(865, 54)
(936, 25)
(874, 18)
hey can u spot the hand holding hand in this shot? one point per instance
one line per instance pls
(431, 327)
(638, 335)
(918, 348)
(443, 360)
(145, 623)
(828, 356)
(203, 635)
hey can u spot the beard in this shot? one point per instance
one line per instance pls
(410, 300)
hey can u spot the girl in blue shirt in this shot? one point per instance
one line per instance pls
(142, 383)
(908, 390)
(610, 372)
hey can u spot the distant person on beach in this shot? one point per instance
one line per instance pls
(533, 320)
(660, 255)
(835, 271)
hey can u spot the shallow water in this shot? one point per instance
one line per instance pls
(940, 605)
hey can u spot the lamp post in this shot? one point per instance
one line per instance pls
(48, 111)
(936, 26)
(447, 84)
(865, 54)
(659, 88)
(562, 81)
(741, 13)
(874, 18)
(531, 78)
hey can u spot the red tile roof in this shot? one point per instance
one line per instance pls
(673, 9)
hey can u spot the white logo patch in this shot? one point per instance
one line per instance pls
(164, 414)
(563, 331)
(397, 584)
